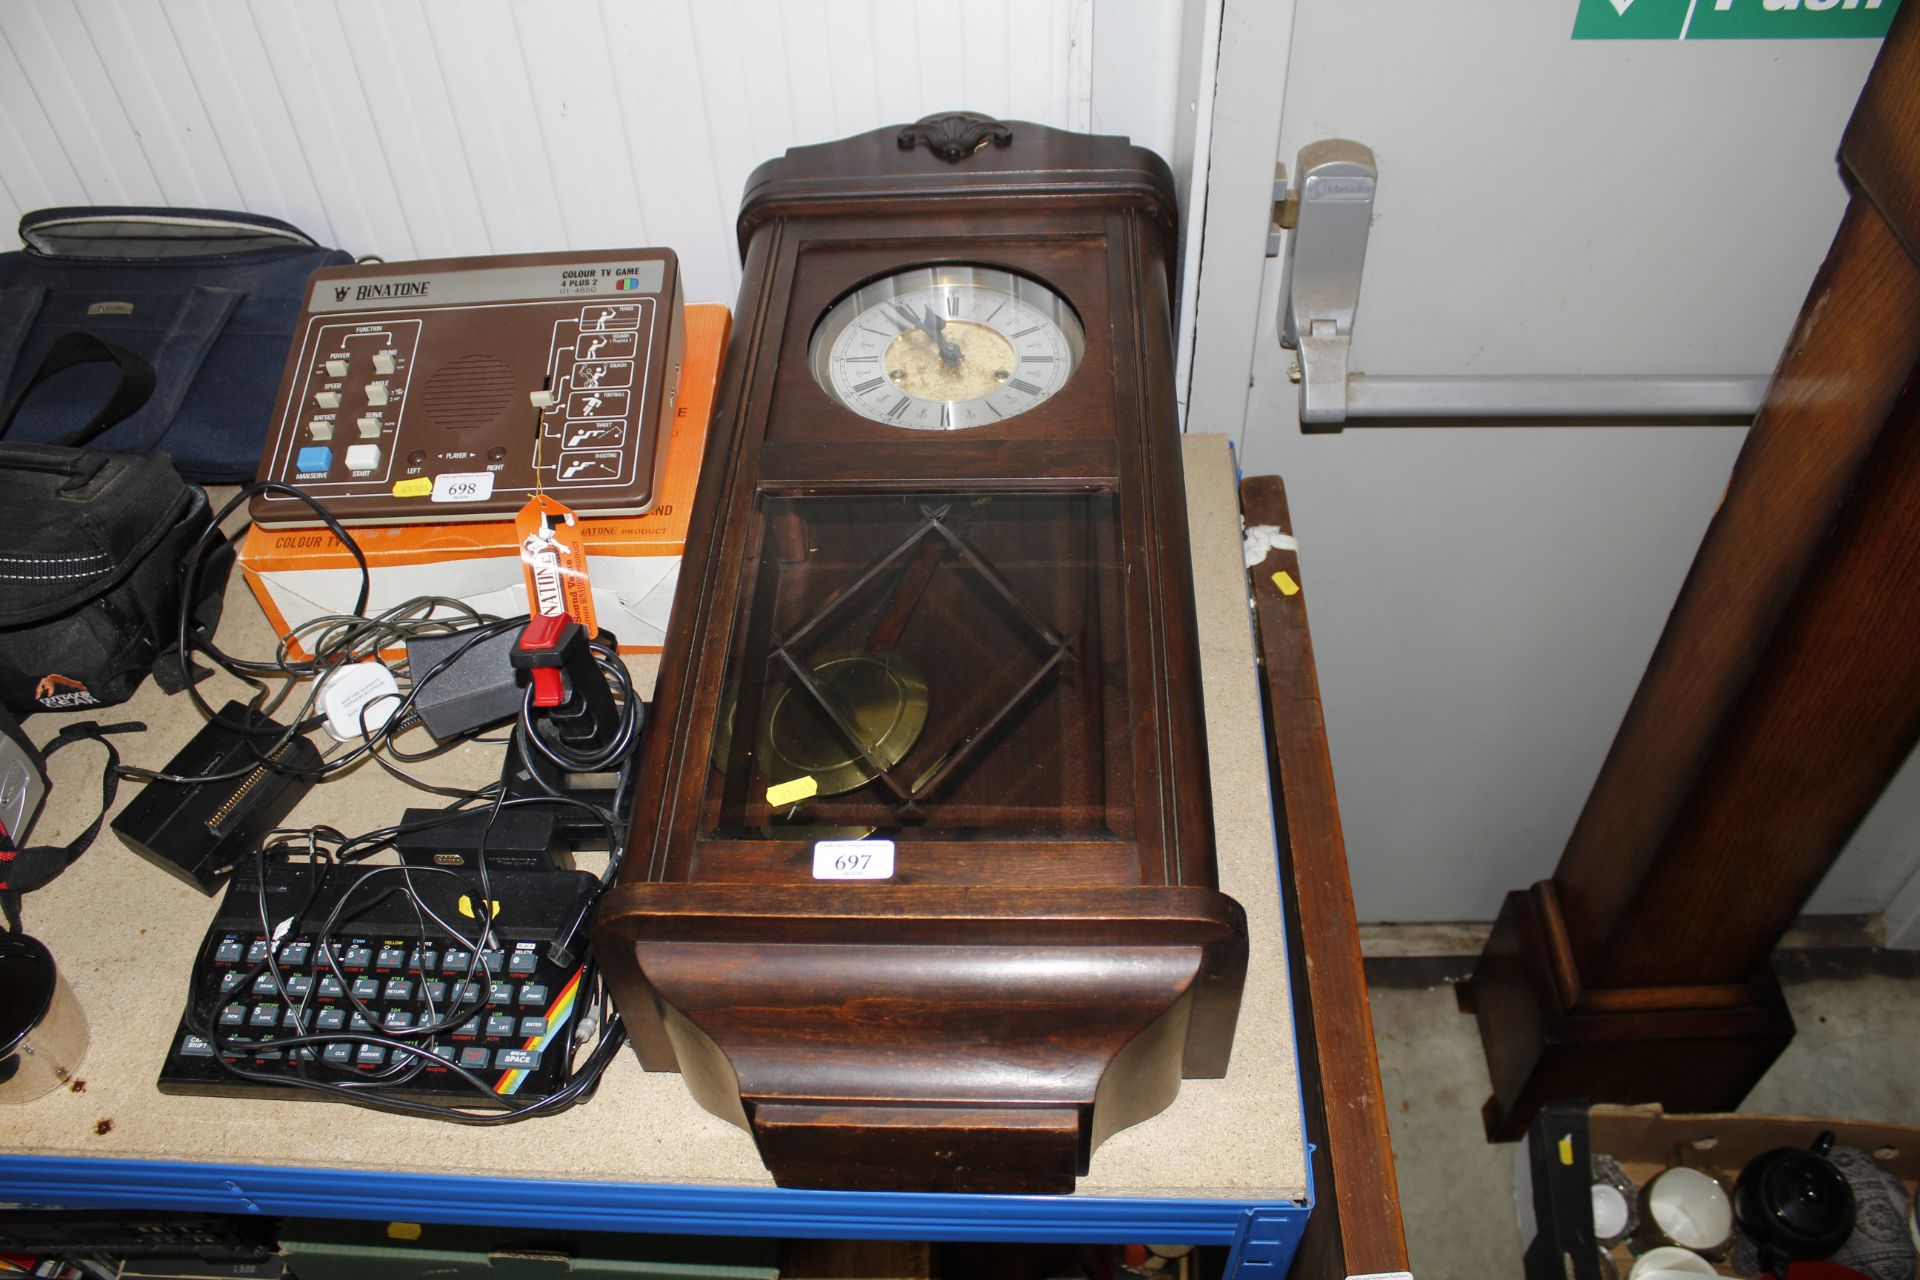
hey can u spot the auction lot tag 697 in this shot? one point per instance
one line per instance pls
(853, 860)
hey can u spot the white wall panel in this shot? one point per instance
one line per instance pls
(151, 81)
(239, 101)
(416, 128)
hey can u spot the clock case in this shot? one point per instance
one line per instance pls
(1051, 955)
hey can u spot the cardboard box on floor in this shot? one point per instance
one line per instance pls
(1556, 1221)
(301, 574)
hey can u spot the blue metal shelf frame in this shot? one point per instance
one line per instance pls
(1262, 1236)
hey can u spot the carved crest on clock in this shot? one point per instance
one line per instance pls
(955, 135)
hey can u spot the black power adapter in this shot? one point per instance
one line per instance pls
(198, 830)
(461, 694)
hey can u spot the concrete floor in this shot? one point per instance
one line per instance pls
(1855, 1056)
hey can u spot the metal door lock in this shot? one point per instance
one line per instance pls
(1325, 219)
(1320, 291)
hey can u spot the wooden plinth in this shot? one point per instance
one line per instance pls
(1547, 1037)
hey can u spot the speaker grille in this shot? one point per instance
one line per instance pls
(469, 392)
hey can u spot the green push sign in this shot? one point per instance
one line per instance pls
(1733, 19)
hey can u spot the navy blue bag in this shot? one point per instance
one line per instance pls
(205, 299)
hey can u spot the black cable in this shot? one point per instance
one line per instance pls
(368, 746)
(632, 719)
(407, 1059)
(335, 641)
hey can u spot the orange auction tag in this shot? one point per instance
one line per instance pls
(555, 561)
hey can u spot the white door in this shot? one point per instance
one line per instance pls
(1484, 599)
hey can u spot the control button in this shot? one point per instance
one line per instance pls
(369, 426)
(230, 980)
(397, 1020)
(336, 368)
(320, 430)
(534, 1027)
(541, 399)
(398, 989)
(315, 457)
(516, 1059)
(192, 1046)
(229, 953)
(376, 393)
(339, 1053)
(497, 454)
(327, 399)
(523, 962)
(330, 988)
(468, 1030)
(473, 1056)
(383, 362)
(434, 992)
(499, 1026)
(299, 985)
(418, 959)
(256, 951)
(234, 1015)
(332, 1018)
(294, 953)
(365, 989)
(363, 457)
(369, 1055)
(265, 1015)
(443, 1051)
(390, 958)
(264, 985)
(500, 993)
(358, 955)
(417, 458)
(492, 958)
(534, 993)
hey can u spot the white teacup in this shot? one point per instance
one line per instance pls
(1670, 1260)
(1686, 1207)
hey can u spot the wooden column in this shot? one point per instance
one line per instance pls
(1781, 698)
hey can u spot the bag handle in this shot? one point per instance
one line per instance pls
(24, 870)
(79, 465)
(203, 316)
(136, 383)
(19, 308)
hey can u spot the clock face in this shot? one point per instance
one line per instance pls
(945, 348)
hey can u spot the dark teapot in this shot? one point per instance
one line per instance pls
(1794, 1204)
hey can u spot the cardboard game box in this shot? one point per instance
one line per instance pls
(634, 561)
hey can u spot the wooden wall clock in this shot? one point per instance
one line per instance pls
(920, 885)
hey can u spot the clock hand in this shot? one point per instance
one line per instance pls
(905, 317)
(936, 325)
(931, 325)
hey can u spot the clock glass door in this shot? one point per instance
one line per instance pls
(948, 665)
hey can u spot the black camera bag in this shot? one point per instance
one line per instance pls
(91, 569)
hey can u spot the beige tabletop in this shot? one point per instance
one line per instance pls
(125, 933)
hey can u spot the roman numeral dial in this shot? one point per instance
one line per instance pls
(946, 348)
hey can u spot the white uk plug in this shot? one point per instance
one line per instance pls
(358, 699)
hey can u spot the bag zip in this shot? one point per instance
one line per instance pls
(292, 235)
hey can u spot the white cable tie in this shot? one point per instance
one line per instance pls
(1263, 538)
